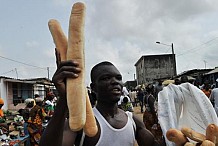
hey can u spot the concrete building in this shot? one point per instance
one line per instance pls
(153, 67)
(15, 91)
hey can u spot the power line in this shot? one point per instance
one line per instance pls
(7, 72)
(48, 69)
(196, 48)
(21, 62)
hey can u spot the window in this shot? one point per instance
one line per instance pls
(16, 93)
(21, 91)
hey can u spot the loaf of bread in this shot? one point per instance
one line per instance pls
(80, 109)
(76, 96)
(90, 127)
(188, 132)
(207, 143)
(59, 38)
(176, 136)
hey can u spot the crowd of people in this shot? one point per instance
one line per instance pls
(30, 120)
(34, 117)
(147, 98)
(111, 104)
(105, 102)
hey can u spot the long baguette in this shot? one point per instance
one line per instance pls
(76, 96)
(207, 143)
(59, 38)
(176, 136)
(90, 127)
(60, 42)
(188, 132)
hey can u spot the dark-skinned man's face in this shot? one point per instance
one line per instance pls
(108, 84)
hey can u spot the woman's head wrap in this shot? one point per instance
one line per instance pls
(1, 101)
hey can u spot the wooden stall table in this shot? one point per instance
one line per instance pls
(20, 141)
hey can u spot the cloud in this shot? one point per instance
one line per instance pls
(120, 31)
(1, 50)
(142, 23)
(32, 44)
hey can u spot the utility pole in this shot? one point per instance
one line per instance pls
(48, 71)
(173, 54)
(172, 49)
(174, 58)
(205, 62)
(167, 45)
(16, 72)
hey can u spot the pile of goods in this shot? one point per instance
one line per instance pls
(12, 129)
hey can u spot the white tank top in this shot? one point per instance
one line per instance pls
(116, 137)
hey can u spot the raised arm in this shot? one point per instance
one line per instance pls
(53, 134)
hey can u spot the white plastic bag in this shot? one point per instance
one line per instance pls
(184, 106)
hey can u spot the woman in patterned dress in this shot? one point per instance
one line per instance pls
(36, 117)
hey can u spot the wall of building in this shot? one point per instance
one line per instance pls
(12, 90)
(3, 93)
(153, 67)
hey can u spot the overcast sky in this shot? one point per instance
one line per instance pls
(120, 31)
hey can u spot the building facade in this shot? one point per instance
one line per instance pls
(153, 67)
(15, 91)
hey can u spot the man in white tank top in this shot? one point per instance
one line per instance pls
(115, 127)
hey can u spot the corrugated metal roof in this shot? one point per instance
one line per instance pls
(213, 71)
(20, 81)
(29, 81)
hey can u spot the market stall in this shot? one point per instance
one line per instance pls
(13, 130)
